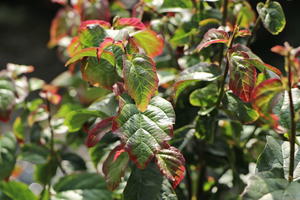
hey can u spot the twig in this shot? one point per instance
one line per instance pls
(292, 137)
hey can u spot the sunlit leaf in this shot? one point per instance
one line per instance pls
(148, 40)
(92, 33)
(143, 133)
(171, 163)
(141, 79)
(213, 36)
(134, 22)
(17, 190)
(242, 75)
(264, 98)
(272, 16)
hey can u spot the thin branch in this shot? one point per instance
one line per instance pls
(292, 135)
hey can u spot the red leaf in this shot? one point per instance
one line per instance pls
(62, 2)
(171, 163)
(135, 22)
(242, 75)
(98, 131)
(114, 166)
(101, 23)
(281, 50)
(263, 99)
(74, 46)
(213, 36)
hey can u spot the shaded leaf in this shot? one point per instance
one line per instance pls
(276, 157)
(238, 110)
(141, 79)
(205, 98)
(98, 131)
(114, 166)
(34, 153)
(266, 185)
(88, 186)
(75, 119)
(197, 73)
(272, 16)
(99, 73)
(143, 184)
(8, 148)
(282, 109)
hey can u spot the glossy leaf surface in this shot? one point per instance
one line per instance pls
(143, 133)
(272, 16)
(141, 79)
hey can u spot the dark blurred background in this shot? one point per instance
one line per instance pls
(24, 33)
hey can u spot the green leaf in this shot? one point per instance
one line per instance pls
(76, 162)
(141, 79)
(91, 35)
(34, 153)
(143, 184)
(75, 119)
(197, 73)
(276, 156)
(205, 98)
(238, 110)
(17, 190)
(149, 41)
(8, 148)
(167, 192)
(272, 16)
(114, 167)
(242, 75)
(264, 98)
(7, 102)
(45, 172)
(282, 109)
(19, 128)
(171, 163)
(266, 185)
(213, 36)
(245, 16)
(100, 73)
(92, 52)
(143, 133)
(87, 186)
(177, 4)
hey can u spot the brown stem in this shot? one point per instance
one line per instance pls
(292, 137)
(224, 14)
